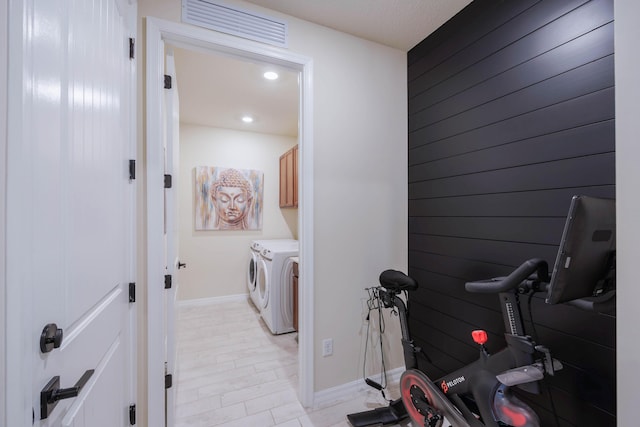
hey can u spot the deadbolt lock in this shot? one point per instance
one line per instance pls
(50, 338)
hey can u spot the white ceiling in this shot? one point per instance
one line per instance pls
(216, 90)
(397, 23)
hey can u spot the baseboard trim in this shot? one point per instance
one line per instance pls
(198, 302)
(333, 395)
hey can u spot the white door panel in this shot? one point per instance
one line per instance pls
(90, 407)
(71, 210)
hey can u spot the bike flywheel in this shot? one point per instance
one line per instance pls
(418, 399)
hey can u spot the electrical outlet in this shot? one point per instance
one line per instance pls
(327, 347)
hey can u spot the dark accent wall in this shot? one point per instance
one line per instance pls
(511, 112)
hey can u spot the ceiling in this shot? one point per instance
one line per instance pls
(397, 23)
(216, 90)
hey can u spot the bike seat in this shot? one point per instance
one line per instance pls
(394, 280)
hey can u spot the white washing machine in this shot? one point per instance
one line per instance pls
(252, 271)
(274, 293)
(252, 268)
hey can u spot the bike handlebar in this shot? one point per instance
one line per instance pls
(513, 280)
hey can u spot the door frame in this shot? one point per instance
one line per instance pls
(158, 32)
(4, 64)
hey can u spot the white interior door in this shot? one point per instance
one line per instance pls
(70, 213)
(172, 150)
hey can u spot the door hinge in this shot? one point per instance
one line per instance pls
(132, 48)
(132, 292)
(132, 414)
(167, 81)
(167, 281)
(167, 181)
(132, 169)
(168, 381)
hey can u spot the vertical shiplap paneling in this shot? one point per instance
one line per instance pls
(511, 112)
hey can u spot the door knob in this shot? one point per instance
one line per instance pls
(51, 394)
(50, 338)
(181, 265)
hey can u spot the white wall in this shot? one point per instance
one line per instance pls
(627, 34)
(4, 28)
(360, 172)
(217, 260)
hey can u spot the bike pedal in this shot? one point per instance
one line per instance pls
(434, 421)
(432, 417)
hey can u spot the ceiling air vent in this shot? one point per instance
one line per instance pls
(249, 25)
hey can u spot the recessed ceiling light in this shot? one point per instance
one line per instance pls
(270, 75)
(247, 119)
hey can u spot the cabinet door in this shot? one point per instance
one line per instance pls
(289, 178)
(294, 177)
(283, 180)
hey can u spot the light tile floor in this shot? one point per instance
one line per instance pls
(232, 372)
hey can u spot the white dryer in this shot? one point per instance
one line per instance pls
(274, 293)
(252, 268)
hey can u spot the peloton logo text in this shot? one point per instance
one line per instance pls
(446, 385)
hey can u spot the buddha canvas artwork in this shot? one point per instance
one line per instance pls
(228, 199)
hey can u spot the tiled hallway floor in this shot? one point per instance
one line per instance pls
(231, 371)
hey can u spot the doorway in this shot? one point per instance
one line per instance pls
(214, 92)
(158, 33)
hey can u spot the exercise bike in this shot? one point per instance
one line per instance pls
(480, 394)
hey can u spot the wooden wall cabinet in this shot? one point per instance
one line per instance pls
(289, 179)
